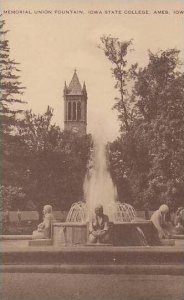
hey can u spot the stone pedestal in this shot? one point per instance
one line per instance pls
(69, 233)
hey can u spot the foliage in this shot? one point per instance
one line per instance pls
(147, 163)
(10, 85)
(10, 94)
(116, 52)
(37, 131)
(56, 162)
(47, 164)
(9, 195)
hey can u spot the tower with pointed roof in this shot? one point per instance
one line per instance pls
(75, 106)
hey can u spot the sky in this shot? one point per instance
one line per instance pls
(49, 46)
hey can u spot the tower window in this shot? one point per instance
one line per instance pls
(74, 111)
(69, 111)
(78, 111)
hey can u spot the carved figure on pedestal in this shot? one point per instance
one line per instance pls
(44, 229)
(99, 227)
(159, 220)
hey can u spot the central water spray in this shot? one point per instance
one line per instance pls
(100, 189)
(98, 184)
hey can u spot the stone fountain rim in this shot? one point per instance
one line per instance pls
(135, 223)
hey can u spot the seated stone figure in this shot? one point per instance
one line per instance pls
(158, 218)
(44, 229)
(99, 227)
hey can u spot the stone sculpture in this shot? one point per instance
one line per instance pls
(158, 218)
(44, 229)
(99, 227)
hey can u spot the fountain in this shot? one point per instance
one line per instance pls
(69, 250)
(99, 189)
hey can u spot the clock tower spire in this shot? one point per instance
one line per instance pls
(75, 106)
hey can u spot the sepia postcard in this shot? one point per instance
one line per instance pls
(92, 147)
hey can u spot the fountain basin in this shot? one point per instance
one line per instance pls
(122, 234)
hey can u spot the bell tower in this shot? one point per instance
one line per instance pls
(75, 106)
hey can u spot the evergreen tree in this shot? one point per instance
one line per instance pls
(10, 85)
(10, 94)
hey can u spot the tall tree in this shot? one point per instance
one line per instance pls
(159, 90)
(116, 52)
(10, 85)
(148, 160)
(10, 95)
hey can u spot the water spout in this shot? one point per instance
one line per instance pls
(98, 185)
(100, 189)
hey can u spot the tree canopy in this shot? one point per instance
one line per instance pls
(147, 160)
(50, 164)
